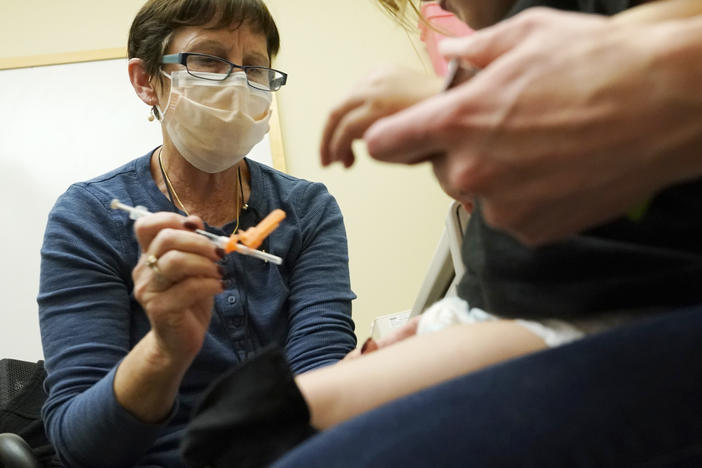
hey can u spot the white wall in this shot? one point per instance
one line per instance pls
(54, 134)
(394, 215)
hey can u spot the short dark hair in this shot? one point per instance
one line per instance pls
(157, 19)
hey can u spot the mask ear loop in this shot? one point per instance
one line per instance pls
(164, 47)
(154, 115)
(162, 114)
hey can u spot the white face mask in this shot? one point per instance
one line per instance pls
(214, 124)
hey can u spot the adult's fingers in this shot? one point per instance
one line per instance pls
(336, 115)
(148, 277)
(412, 135)
(161, 232)
(169, 239)
(176, 266)
(183, 295)
(154, 275)
(351, 127)
(148, 227)
(458, 175)
(487, 45)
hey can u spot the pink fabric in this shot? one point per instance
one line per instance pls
(447, 25)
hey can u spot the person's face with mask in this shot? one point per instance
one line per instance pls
(214, 112)
(478, 13)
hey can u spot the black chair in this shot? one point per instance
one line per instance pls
(15, 452)
(23, 442)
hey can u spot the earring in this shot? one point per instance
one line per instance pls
(152, 116)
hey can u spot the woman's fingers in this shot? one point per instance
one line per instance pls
(161, 233)
(169, 239)
(159, 274)
(176, 266)
(183, 296)
(180, 315)
(148, 227)
(172, 253)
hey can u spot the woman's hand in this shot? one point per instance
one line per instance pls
(175, 282)
(573, 120)
(382, 93)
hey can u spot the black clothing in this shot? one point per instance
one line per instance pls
(21, 396)
(249, 416)
(648, 264)
(602, 7)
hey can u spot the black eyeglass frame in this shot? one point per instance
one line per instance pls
(181, 58)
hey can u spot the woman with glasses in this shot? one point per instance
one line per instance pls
(138, 318)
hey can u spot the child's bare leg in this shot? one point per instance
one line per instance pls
(337, 393)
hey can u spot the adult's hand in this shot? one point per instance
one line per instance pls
(175, 282)
(177, 291)
(383, 92)
(574, 120)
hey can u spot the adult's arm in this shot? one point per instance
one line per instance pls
(557, 139)
(93, 416)
(177, 297)
(319, 301)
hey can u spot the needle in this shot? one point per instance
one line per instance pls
(136, 212)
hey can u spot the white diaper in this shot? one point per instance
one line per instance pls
(455, 311)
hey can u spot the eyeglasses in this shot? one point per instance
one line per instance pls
(203, 66)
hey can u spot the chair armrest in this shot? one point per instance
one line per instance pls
(16, 453)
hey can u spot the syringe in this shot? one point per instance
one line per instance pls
(228, 244)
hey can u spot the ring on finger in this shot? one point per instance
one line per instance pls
(152, 262)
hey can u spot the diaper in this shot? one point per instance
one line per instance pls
(455, 311)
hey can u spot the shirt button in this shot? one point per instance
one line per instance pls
(231, 299)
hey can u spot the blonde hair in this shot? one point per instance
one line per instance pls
(405, 12)
(408, 14)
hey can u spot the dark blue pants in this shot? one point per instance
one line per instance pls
(628, 397)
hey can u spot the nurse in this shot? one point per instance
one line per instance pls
(137, 319)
